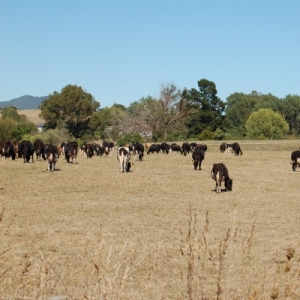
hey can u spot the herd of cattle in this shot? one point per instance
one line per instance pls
(51, 153)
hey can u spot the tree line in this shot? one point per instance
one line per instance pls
(195, 114)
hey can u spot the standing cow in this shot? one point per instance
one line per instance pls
(198, 156)
(138, 150)
(219, 173)
(123, 157)
(295, 157)
(26, 151)
(51, 155)
(186, 148)
(38, 146)
(71, 151)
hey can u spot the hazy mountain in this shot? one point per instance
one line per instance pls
(24, 102)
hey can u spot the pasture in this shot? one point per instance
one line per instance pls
(88, 231)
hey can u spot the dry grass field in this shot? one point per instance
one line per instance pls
(88, 231)
(32, 115)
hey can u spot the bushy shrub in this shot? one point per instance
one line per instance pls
(205, 135)
(130, 138)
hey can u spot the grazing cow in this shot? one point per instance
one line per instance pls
(198, 156)
(176, 148)
(7, 149)
(219, 173)
(295, 157)
(71, 151)
(124, 157)
(26, 151)
(107, 148)
(165, 147)
(138, 150)
(38, 147)
(186, 148)
(51, 155)
(154, 148)
(202, 147)
(223, 147)
(88, 150)
(234, 147)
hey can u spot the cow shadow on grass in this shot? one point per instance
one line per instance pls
(222, 190)
(56, 170)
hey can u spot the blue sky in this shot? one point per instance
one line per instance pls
(121, 51)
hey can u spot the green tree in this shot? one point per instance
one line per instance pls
(266, 124)
(207, 108)
(239, 107)
(99, 121)
(22, 128)
(10, 112)
(291, 112)
(7, 128)
(73, 106)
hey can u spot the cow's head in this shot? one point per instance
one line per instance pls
(129, 165)
(228, 184)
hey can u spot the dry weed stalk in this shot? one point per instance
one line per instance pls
(216, 268)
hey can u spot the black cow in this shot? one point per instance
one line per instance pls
(186, 148)
(26, 151)
(295, 157)
(219, 173)
(198, 156)
(202, 147)
(89, 150)
(38, 147)
(138, 150)
(165, 148)
(176, 148)
(7, 149)
(71, 151)
(154, 148)
(50, 153)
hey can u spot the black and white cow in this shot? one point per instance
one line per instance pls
(107, 148)
(198, 156)
(186, 148)
(220, 173)
(295, 157)
(71, 151)
(123, 157)
(138, 150)
(50, 153)
(26, 151)
(234, 147)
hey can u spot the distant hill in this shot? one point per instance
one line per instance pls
(24, 102)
